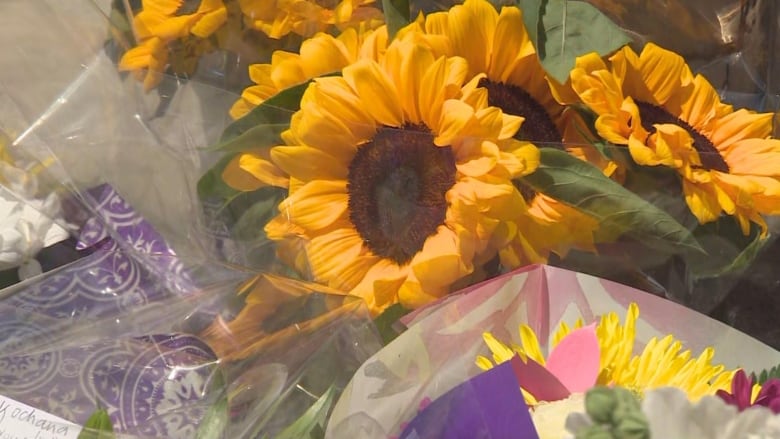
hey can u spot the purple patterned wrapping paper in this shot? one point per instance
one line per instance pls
(130, 265)
(151, 387)
(154, 386)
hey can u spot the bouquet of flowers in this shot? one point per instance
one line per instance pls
(404, 161)
(260, 193)
(652, 369)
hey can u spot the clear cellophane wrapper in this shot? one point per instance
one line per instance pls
(91, 125)
(149, 322)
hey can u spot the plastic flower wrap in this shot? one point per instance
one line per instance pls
(31, 220)
(174, 37)
(649, 344)
(169, 349)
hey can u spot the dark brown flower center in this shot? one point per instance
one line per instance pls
(710, 157)
(188, 7)
(538, 127)
(397, 185)
(327, 4)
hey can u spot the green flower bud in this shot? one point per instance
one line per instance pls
(632, 426)
(600, 402)
(594, 432)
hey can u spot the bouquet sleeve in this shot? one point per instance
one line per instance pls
(438, 350)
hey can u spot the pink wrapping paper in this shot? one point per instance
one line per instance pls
(439, 349)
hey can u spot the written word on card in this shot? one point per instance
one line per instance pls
(20, 421)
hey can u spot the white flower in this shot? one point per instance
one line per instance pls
(27, 223)
(672, 416)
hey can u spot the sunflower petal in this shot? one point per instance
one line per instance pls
(471, 28)
(317, 204)
(511, 42)
(306, 163)
(441, 262)
(345, 271)
(379, 95)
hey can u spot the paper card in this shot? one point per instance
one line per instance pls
(20, 421)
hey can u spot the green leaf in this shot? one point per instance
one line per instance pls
(98, 426)
(766, 375)
(532, 10)
(397, 15)
(213, 424)
(257, 136)
(211, 184)
(729, 251)
(273, 111)
(583, 186)
(572, 28)
(313, 420)
(251, 222)
(385, 321)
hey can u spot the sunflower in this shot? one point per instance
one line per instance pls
(660, 364)
(162, 22)
(500, 52)
(277, 18)
(654, 105)
(319, 55)
(399, 175)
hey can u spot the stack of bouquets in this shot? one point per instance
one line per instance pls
(381, 157)
(403, 158)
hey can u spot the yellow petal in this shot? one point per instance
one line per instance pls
(511, 42)
(755, 157)
(699, 106)
(500, 351)
(316, 127)
(377, 92)
(455, 118)
(323, 54)
(287, 70)
(471, 29)
(663, 74)
(531, 344)
(317, 204)
(306, 163)
(336, 258)
(379, 287)
(739, 125)
(209, 23)
(442, 81)
(702, 201)
(412, 295)
(440, 262)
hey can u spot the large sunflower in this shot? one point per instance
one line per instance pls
(159, 23)
(666, 116)
(400, 177)
(277, 18)
(499, 50)
(319, 55)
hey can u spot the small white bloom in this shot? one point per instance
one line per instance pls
(27, 223)
(672, 416)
